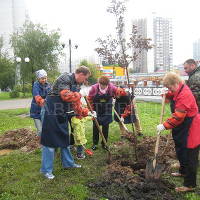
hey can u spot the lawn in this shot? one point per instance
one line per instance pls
(6, 96)
(19, 172)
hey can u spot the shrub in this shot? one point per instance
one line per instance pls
(14, 94)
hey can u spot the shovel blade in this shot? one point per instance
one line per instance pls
(153, 173)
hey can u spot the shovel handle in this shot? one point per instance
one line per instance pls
(120, 119)
(158, 133)
(96, 122)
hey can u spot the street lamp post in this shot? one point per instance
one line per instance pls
(70, 56)
(70, 53)
(18, 69)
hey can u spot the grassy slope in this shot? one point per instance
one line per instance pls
(19, 172)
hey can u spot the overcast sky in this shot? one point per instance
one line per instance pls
(85, 20)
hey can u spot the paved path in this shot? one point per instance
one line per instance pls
(16, 103)
(25, 103)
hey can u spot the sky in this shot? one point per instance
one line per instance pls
(83, 21)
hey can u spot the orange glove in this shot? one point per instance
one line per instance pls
(39, 100)
(90, 100)
(85, 112)
(127, 111)
(68, 96)
(76, 96)
(120, 92)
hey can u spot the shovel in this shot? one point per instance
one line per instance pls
(124, 126)
(100, 131)
(153, 169)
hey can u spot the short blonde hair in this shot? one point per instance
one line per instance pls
(171, 78)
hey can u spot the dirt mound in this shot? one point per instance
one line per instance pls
(124, 179)
(24, 139)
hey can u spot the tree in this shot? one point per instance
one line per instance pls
(117, 50)
(41, 46)
(7, 73)
(7, 70)
(95, 73)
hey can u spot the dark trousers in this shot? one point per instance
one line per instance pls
(192, 165)
(181, 154)
(180, 135)
(105, 129)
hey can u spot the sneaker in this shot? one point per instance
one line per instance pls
(73, 166)
(94, 147)
(184, 189)
(49, 175)
(80, 156)
(177, 174)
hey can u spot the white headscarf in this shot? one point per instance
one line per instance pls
(41, 73)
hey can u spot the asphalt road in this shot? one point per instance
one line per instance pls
(16, 103)
(25, 103)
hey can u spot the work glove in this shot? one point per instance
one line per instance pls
(120, 92)
(122, 119)
(92, 114)
(160, 127)
(164, 90)
(83, 92)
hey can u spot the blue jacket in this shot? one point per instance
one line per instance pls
(38, 90)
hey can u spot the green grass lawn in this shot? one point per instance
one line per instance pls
(19, 172)
(6, 96)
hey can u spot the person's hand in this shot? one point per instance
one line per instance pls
(122, 119)
(92, 114)
(164, 90)
(83, 92)
(160, 127)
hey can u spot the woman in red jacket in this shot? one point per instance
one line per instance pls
(184, 123)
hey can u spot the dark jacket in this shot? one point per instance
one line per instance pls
(55, 131)
(65, 81)
(194, 84)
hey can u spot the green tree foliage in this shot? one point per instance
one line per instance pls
(95, 73)
(41, 46)
(7, 73)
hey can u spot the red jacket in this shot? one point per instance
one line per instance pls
(185, 106)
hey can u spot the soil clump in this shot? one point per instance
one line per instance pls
(124, 178)
(24, 139)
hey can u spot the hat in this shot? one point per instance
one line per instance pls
(41, 73)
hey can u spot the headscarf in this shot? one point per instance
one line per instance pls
(41, 73)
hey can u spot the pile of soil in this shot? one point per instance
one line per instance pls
(24, 139)
(124, 178)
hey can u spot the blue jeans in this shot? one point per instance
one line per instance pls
(48, 158)
(38, 125)
(42, 113)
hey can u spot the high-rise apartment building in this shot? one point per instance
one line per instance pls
(12, 16)
(163, 41)
(196, 50)
(160, 58)
(140, 65)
